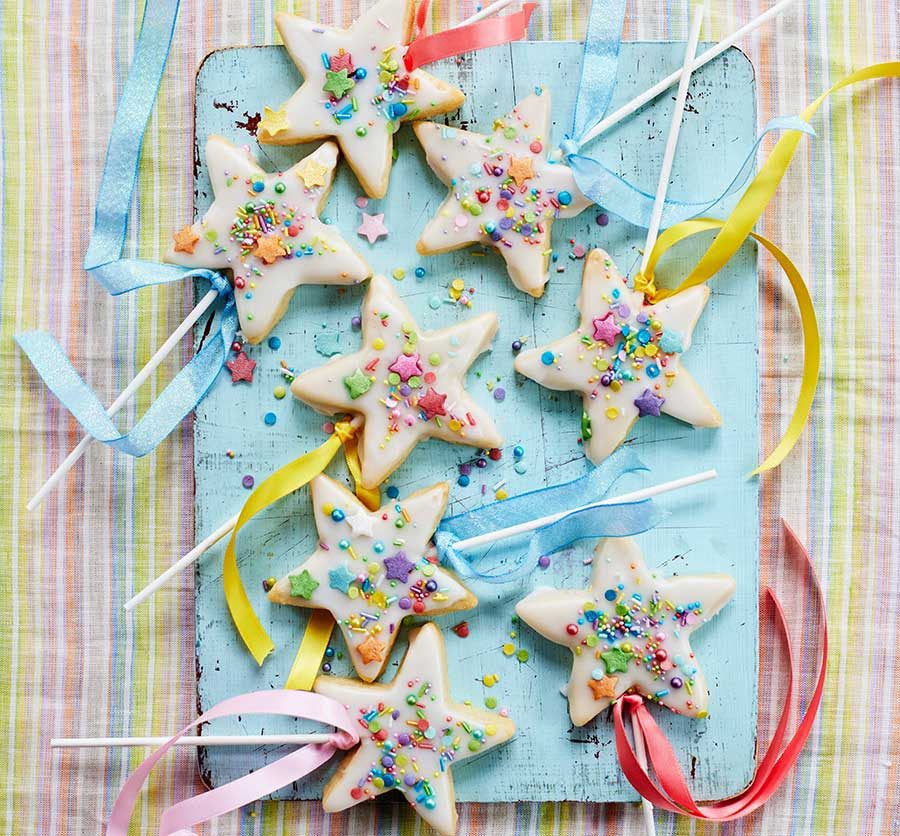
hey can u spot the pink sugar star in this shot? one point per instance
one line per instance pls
(605, 329)
(372, 227)
(341, 62)
(407, 366)
(241, 368)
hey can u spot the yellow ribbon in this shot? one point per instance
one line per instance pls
(737, 228)
(283, 481)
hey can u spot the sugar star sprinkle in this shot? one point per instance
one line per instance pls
(274, 121)
(504, 192)
(265, 228)
(412, 734)
(185, 240)
(408, 384)
(357, 89)
(372, 227)
(371, 582)
(624, 358)
(241, 368)
(632, 623)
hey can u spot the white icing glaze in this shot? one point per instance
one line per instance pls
(253, 208)
(487, 204)
(375, 104)
(412, 733)
(647, 365)
(423, 396)
(644, 621)
(373, 569)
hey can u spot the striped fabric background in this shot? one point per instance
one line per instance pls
(73, 664)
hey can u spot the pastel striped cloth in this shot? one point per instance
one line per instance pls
(73, 664)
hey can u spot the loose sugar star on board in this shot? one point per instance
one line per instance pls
(504, 191)
(412, 734)
(265, 228)
(632, 623)
(408, 384)
(241, 368)
(372, 227)
(624, 357)
(371, 581)
(357, 89)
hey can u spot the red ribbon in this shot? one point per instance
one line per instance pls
(492, 31)
(672, 793)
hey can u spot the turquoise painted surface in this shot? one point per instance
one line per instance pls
(711, 528)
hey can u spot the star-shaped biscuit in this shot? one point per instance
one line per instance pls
(265, 228)
(401, 407)
(504, 192)
(624, 357)
(633, 623)
(357, 89)
(371, 580)
(412, 734)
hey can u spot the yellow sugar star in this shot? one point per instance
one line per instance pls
(312, 173)
(274, 121)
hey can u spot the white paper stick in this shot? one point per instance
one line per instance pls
(487, 11)
(641, 751)
(189, 740)
(665, 171)
(634, 496)
(704, 58)
(161, 353)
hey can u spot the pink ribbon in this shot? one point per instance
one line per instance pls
(491, 31)
(672, 793)
(179, 818)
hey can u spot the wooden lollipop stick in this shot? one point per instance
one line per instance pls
(190, 740)
(704, 58)
(126, 394)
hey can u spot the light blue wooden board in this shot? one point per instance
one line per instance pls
(711, 528)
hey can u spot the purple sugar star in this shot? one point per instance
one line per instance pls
(649, 403)
(605, 329)
(398, 567)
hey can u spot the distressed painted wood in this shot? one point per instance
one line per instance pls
(711, 528)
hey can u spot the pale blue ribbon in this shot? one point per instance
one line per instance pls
(512, 559)
(597, 181)
(121, 275)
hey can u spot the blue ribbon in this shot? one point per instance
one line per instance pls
(598, 182)
(118, 275)
(511, 558)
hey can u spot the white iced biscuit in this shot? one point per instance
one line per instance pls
(504, 192)
(624, 357)
(372, 569)
(406, 383)
(629, 630)
(356, 88)
(265, 228)
(412, 733)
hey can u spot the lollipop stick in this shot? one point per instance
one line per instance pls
(140, 378)
(487, 11)
(190, 740)
(652, 232)
(704, 58)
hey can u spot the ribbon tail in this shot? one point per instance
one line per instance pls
(177, 400)
(283, 481)
(484, 33)
(180, 817)
(672, 792)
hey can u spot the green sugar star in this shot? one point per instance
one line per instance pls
(337, 83)
(303, 585)
(357, 384)
(616, 660)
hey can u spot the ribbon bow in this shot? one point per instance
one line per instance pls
(179, 818)
(515, 561)
(120, 275)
